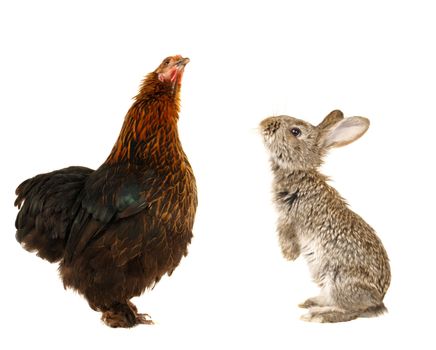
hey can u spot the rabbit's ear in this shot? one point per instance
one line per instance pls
(344, 132)
(332, 118)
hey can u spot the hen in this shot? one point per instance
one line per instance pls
(118, 229)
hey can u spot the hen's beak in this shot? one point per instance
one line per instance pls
(182, 62)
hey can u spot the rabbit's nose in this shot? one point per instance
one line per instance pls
(270, 124)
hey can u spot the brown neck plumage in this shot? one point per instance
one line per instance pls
(150, 126)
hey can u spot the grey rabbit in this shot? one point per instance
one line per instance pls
(345, 257)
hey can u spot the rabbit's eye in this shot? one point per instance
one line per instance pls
(296, 132)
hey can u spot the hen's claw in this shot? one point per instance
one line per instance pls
(144, 319)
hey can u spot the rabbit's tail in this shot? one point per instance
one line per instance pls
(374, 311)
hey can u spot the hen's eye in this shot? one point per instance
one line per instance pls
(166, 62)
(296, 132)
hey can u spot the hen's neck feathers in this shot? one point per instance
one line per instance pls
(149, 133)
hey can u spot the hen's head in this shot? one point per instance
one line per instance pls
(166, 79)
(171, 69)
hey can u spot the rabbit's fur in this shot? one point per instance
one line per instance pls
(346, 258)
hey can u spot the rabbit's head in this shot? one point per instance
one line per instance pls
(298, 145)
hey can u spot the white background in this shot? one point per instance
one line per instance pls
(68, 72)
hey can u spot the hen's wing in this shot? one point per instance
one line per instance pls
(112, 194)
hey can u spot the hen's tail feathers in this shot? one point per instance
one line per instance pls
(48, 204)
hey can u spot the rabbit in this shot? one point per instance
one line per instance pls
(346, 258)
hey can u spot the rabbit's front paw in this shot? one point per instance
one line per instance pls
(290, 249)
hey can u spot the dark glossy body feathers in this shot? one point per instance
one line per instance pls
(117, 230)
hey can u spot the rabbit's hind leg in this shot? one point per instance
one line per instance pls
(346, 302)
(329, 314)
(323, 299)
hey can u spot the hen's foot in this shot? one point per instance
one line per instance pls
(140, 318)
(124, 316)
(144, 319)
